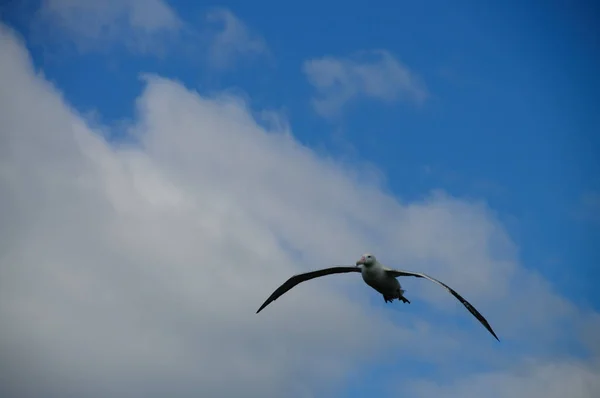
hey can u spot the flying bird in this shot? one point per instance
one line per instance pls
(380, 278)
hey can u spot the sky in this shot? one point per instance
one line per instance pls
(165, 165)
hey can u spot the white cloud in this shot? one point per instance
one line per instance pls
(138, 24)
(137, 270)
(545, 376)
(232, 40)
(531, 379)
(376, 75)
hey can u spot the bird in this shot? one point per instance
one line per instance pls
(380, 278)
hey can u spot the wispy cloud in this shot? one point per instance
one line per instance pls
(375, 74)
(574, 379)
(140, 25)
(588, 208)
(232, 40)
(148, 27)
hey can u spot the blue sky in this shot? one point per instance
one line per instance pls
(507, 114)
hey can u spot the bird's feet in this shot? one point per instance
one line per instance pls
(388, 299)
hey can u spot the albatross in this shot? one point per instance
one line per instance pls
(380, 278)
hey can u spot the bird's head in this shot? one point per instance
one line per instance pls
(367, 260)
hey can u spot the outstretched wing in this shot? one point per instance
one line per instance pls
(468, 305)
(296, 279)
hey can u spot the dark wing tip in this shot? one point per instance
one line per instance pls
(262, 307)
(269, 300)
(493, 334)
(476, 314)
(489, 328)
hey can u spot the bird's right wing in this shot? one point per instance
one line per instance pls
(468, 306)
(296, 279)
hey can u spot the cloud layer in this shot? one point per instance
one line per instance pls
(232, 40)
(135, 270)
(149, 27)
(140, 25)
(534, 379)
(375, 75)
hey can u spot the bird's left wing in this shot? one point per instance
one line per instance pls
(468, 305)
(296, 279)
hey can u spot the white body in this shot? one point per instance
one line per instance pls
(375, 276)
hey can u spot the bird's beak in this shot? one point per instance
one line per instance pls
(361, 261)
